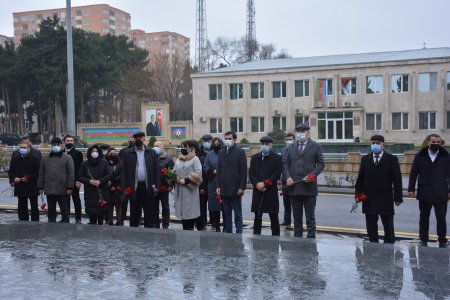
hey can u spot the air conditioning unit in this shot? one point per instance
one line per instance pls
(330, 104)
(318, 104)
(355, 103)
(346, 104)
(203, 119)
(298, 111)
(277, 112)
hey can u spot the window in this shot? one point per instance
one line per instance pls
(31, 27)
(448, 81)
(215, 92)
(61, 14)
(279, 89)
(373, 121)
(215, 125)
(257, 90)
(348, 86)
(236, 125)
(279, 123)
(324, 87)
(105, 21)
(301, 88)
(24, 27)
(78, 13)
(399, 83)
(105, 12)
(427, 120)
(335, 126)
(86, 22)
(86, 12)
(257, 124)
(399, 121)
(78, 22)
(236, 91)
(39, 17)
(301, 119)
(16, 28)
(23, 18)
(105, 30)
(374, 84)
(16, 20)
(31, 18)
(427, 82)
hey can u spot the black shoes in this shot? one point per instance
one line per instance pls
(443, 244)
(423, 244)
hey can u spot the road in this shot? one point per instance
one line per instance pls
(332, 213)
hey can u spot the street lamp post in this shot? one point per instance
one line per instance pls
(70, 85)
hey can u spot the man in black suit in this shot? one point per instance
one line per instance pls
(380, 179)
(152, 128)
(432, 166)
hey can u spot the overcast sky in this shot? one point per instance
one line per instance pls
(304, 28)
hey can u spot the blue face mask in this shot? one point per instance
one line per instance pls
(265, 149)
(157, 150)
(56, 149)
(289, 143)
(376, 148)
(207, 145)
(23, 151)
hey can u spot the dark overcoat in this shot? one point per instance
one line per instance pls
(19, 167)
(116, 172)
(297, 165)
(382, 184)
(231, 173)
(96, 169)
(265, 168)
(433, 178)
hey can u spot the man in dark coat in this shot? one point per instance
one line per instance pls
(33, 151)
(121, 155)
(203, 189)
(289, 139)
(380, 180)
(141, 172)
(77, 157)
(165, 161)
(23, 173)
(431, 166)
(264, 172)
(303, 163)
(231, 181)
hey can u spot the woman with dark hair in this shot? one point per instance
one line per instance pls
(114, 164)
(209, 167)
(95, 174)
(189, 173)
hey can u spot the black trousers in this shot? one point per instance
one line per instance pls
(274, 224)
(188, 224)
(372, 228)
(440, 210)
(23, 208)
(214, 217)
(162, 197)
(287, 206)
(200, 222)
(142, 200)
(76, 203)
(96, 219)
(309, 203)
(124, 209)
(63, 202)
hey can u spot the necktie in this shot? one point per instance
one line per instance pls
(376, 159)
(301, 147)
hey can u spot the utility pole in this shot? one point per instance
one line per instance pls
(200, 36)
(250, 38)
(70, 85)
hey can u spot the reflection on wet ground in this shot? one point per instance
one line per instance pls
(81, 261)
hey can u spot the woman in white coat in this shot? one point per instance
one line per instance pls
(189, 173)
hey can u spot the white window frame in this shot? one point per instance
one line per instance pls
(104, 11)
(239, 124)
(375, 122)
(402, 117)
(260, 90)
(218, 122)
(283, 91)
(378, 89)
(301, 119)
(260, 121)
(431, 87)
(218, 91)
(305, 86)
(239, 91)
(403, 76)
(448, 81)
(281, 119)
(428, 115)
(355, 79)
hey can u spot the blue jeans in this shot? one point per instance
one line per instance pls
(230, 204)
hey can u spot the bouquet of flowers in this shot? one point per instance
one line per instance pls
(43, 205)
(218, 198)
(311, 177)
(163, 188)
(101, 201)
(267, 183)
(126, 195)
(358, 198)
(170, 175)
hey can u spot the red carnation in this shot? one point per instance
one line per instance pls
(43, 206)
(312, 177)
(102, 202)
(26, 178)
(163, 188)
(128, 191)
(163, 171)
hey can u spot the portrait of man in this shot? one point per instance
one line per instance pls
(154, 120)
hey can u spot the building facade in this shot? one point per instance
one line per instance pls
(164, 44)
(4, 39)
(101, 18)
(403, 95)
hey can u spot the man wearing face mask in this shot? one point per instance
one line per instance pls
(57, 180)
(289, 139)
(302, 164)
(431, 169)
(264, 172)
(77, 158)
(23, 172)
(231, 175)
(141, 172)
(203, 189)
(165, 161)
(380, 180)
(130, 145)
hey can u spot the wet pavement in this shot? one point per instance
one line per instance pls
(42, 260)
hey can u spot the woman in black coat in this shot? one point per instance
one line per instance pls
(115, 194)
(95, 174)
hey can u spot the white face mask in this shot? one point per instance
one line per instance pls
(94, 155)
(302, 137)
(228, 143)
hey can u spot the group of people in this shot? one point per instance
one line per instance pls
(213, 177)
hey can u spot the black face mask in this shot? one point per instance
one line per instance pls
(434, 147)
(216, 148)
(130, 144)
(138, 143)
(184, 151)
(114, 158)
(69, 146)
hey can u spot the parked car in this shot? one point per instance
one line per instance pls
(9, 139)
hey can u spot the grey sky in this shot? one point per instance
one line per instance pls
(304, 28)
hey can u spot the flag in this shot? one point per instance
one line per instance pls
(160, 120)
(321, 90)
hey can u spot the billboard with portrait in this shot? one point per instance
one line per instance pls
(154, 120)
